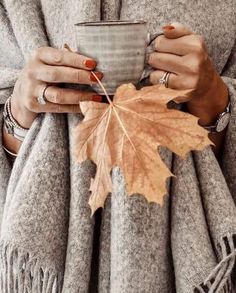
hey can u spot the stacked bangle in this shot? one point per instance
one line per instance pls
(9, 152)
(10, 124)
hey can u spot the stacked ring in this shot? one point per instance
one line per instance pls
(42, 100)
(165, 78)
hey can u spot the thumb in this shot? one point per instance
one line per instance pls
(176, 30)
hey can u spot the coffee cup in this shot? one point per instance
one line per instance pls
(119, 47)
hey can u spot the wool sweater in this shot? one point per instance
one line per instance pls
(48, 241)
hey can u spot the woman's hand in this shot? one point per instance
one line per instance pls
(184, 54)
(52, 66)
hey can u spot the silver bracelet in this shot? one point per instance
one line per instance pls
(9, 152)
(10, 124)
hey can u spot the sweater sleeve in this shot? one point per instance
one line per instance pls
(11, 62)
(230, 67)
(11, 58)
(229, 150)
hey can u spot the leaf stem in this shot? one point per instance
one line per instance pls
(103, 88)
(66, 46)
(123, 128)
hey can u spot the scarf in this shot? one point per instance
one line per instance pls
(49, 242)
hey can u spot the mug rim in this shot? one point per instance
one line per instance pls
(110, 22)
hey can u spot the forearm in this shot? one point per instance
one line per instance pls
(208, 111)
(11, 142)
(216, 138)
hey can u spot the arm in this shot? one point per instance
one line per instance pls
(47, 67)
(11, 61)
(184, 54)
(8, 80)
(209, 111)
(229, 77)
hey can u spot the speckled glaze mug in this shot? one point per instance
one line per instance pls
(119, 47)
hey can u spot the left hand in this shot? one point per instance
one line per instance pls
(184, 54)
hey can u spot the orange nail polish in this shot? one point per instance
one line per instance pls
(98, 74)
(90, 63)
(97, 98)
(168, 27)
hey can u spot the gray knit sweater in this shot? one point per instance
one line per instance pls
(48, 242)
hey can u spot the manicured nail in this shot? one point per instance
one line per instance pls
(97, 98)
(168, 27)
(90, 63)
(98, 74)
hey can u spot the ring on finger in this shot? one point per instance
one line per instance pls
(165, 79)
(42, 100)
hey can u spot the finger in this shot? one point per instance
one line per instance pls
(58, 108)
(166, 62)
(49, 107)
(176, 82)
(180, 46)
(59, 95)
(56, 74)
(176, 30)
(53, 56)
(173, 80)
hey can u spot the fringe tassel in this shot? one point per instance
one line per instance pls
(20, 273)
(219, 280)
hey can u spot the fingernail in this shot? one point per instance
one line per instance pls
(98, 74)
(90, 63)
(168, 27)
(97, 98)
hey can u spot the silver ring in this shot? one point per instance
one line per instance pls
(42, 100)
(165, 78)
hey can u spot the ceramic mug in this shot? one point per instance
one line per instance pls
(119, 47)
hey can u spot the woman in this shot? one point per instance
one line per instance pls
(47, 234)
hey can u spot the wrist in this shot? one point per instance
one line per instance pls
(213, 103)
(21, 114)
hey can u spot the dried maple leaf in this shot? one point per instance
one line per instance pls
(127, 132)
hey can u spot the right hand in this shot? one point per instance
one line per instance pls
(52, 66)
